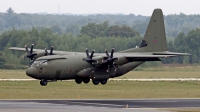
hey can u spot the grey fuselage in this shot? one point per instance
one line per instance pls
(73, 66)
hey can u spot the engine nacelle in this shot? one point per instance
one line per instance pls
(39, 54)
(98, 59)
(85, 72)
(121, 60)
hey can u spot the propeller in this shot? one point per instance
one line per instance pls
(30, 53)
(51, 51)
(110, 58)
(89, 57)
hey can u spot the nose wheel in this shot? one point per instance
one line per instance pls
(43, 82)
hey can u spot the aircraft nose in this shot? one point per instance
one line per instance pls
(32, 72)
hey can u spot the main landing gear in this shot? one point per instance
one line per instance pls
(43, 82)
(96, 82)
(87, 80)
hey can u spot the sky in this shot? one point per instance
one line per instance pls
(142, 7)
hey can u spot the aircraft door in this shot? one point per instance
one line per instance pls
(70, 69)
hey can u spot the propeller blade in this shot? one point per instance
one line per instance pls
(106, 51)
(92, 54)
(31, 50)
(51, 52)
(112, 52)
(27, 49)
(89, 57)
(87, 53)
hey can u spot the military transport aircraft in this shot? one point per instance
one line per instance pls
(82, 66)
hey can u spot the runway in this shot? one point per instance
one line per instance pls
(139, 105)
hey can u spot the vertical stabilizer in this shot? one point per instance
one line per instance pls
(155, 38)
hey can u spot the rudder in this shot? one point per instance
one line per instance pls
(155, 38)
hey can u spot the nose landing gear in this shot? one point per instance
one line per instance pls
(43, 82)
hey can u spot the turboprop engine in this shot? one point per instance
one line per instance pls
(34, 55)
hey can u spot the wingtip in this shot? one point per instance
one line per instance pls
(188, 54)
(10, 48)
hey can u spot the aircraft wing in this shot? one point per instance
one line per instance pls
(23, 49)
(148, 56)
(42, 50)
(144, 55)
(52, 57)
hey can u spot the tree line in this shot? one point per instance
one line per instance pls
(104, 29)
(64, 24)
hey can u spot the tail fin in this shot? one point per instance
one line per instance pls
(155, 38)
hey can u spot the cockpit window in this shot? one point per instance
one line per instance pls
(39, 62)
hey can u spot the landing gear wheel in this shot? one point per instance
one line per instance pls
(86, 80)
(95, 82)
(103, 81)
(78, 80)
(43, 82)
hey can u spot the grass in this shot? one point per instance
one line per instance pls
(112, 90)
(13, 74)
(163, 72)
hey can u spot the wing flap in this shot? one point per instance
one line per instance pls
(149, 56)
(171, 53)
(144, 59)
